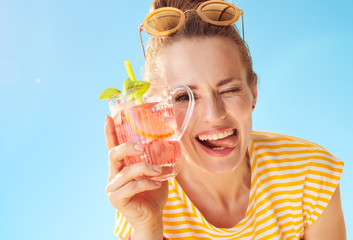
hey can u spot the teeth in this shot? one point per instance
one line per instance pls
(215, 136)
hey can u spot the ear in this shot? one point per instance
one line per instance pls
(254, 91)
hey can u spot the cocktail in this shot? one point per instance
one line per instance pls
(157, 120)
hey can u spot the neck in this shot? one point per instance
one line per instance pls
(221, 187)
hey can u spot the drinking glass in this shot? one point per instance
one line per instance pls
(158, 123)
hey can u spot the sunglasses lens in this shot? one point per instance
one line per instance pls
(163, 21)
(218, 12)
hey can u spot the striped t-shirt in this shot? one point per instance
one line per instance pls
(292, 181)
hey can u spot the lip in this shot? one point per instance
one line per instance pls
(216, 153)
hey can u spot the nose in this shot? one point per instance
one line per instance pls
(213, 110)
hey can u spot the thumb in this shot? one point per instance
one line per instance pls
(110, 133)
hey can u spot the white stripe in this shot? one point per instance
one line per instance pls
(282, 172)
(322, 178)
(281, 141)
(272, 135)
(222, 233)
(290, 227)
(313, 202)
(312, 210)
(181, 219)
(285, 165)
(295, 156)
(128, 227)
(173, 195)
(290, 149)
(316, 194)
(272, 230)
(178, 210)
(282, 180)
(173, 203)
(198, 227)
(123, 221)
(118, 220)
(290, 164)
(265, 194)
(317, 186)
(194, 235)
(288, 219)
(207, 233)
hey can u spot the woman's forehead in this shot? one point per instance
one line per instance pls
(207, 59)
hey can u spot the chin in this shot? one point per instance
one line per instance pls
(222, 166)
(218, 169)
(215, 165)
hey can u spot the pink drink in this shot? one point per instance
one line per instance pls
(155, 127)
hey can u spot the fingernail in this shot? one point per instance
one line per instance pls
(157, 168)
(139, 147)
(106, 118)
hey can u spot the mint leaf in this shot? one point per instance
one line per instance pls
(109, 93)
(140, 90)
(141, 83)
(128, 85)
(135, 89)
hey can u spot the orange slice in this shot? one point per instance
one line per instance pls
(149, 122)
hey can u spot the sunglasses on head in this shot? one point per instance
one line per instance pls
(167, 20)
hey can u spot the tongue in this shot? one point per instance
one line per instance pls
(228, 142)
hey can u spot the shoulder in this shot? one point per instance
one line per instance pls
(281, 156)
(295, 160)
(282, 146)
(277, 139)
(297, 169)
(289, 154)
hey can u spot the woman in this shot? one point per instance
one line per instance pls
(235, 183)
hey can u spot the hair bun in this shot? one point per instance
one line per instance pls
(180, 4)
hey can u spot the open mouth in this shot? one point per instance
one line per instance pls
(219, 141)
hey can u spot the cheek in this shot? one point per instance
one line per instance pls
(240, 106)
(180, 114)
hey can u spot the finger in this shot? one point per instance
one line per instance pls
(132, 172)
(120, 198)
(110, 134)
(117, 155)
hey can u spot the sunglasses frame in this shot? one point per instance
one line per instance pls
(144, 25)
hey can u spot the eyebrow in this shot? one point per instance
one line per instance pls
(227, 80)
(220, 83)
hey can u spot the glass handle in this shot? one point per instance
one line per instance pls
(190, 108)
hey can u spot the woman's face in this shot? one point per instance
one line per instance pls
(219, 131)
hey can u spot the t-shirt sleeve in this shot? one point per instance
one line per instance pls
(321, 181)
(122, 227)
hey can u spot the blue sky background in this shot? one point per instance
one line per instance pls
(57, 56)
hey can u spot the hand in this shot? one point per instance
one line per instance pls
(139, 199)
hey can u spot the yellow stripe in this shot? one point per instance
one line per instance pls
(187, 238)
(294, 159)
(285, 137)
(279, 146)
(175, 215)
(174, 207)
(321, 182)
(273, 170)
(313, 189)
(190, 230)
